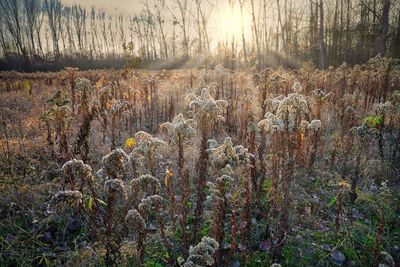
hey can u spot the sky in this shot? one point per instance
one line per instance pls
(125, 6)
(223, 20)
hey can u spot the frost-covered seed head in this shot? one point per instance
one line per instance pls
(114, 163)
(146, 143)
(147, 204)
(383, 108)
(145, 184)
(135, 221)
(69, 197)
(180, 127)
(271, 124)
(227, 153)
(114, 187)
(297, 87)
(363, 132)
(84, 86)
(204, 106)
(315, 125)
(120, 106)
(76, 167)
(203, 253)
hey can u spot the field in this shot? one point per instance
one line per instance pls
(201, 167)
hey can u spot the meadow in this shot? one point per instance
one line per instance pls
(201, 167)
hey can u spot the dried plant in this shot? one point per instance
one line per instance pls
(206, 111)
(147, 150)
(384, 201)
(88, 107)
(111, 220)
(180, 131)
(76, 174)
(59, 116)
(202, 254)
(339, 199)
(283, 124)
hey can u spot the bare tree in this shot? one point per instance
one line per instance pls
(53, 10)
(321, 36)
(79, 21)
(4, 44)
(183, 10)
(255, 29)
(103, 27)
(38, 30)
(11, 16)
(385, 26)
(159, 6)
(93, 31)
(32, 9)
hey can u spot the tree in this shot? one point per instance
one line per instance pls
(183, 8)
(11, 16)
(53, 10)
(159, 6)
(32, 9)
(321, 36)
(385, 26)
(79, 20)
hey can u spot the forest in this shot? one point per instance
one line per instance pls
(49, 34)
(160, 133)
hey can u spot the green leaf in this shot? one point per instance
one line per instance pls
(378, 120)
(332, 202)
(90, 204)
(368, 119)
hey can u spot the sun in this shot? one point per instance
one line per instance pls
(230, 22)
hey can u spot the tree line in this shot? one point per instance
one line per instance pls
(282, 32)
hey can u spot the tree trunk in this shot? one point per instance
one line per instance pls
(385, 27)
